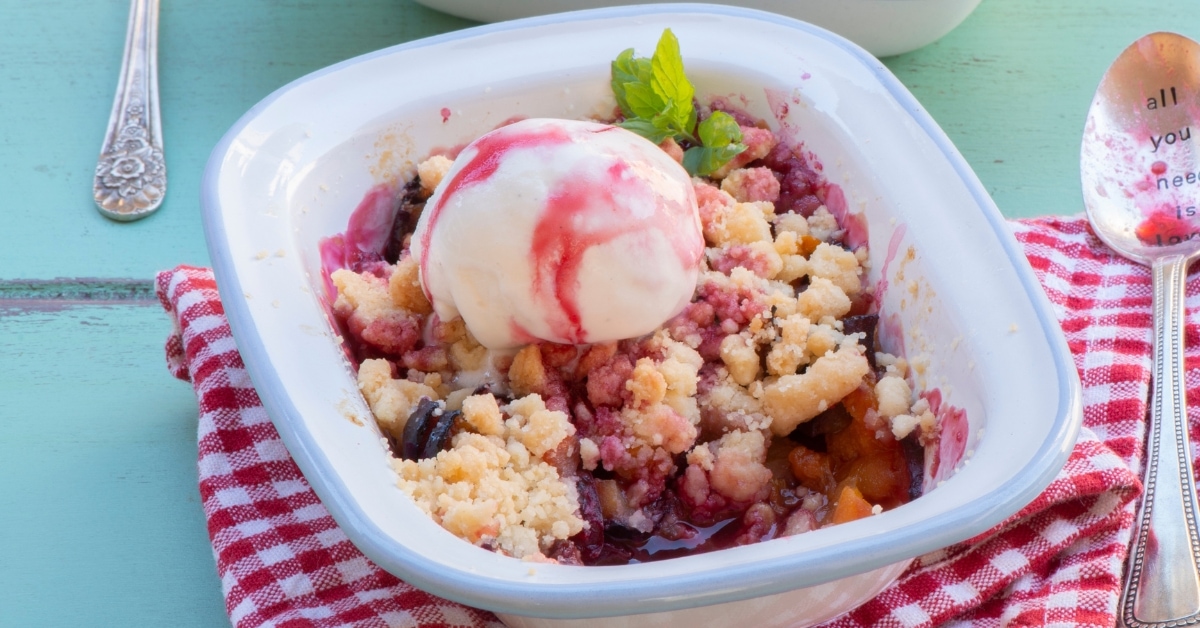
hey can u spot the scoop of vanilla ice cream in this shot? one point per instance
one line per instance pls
(565, 231)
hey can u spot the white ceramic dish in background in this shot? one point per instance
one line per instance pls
(293, 168)
(883, 27)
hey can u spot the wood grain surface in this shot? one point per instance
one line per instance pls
(100, 521)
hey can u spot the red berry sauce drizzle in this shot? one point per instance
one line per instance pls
(562, 237)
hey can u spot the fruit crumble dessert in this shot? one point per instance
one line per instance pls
(608, 342)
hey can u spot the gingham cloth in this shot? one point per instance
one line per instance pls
(284, 562)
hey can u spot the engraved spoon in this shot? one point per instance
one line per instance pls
(1140, 169)
(131, 176)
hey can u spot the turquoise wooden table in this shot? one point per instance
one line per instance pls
(100, 519)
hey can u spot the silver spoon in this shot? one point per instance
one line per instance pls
(1141, 186)
(131, 176)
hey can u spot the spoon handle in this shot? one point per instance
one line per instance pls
(131, 176)
(1162, 586)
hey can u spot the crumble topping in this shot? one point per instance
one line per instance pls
(493, 487)
(764, 404)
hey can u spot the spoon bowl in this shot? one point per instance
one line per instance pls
(1140, 169)
(1141, 183)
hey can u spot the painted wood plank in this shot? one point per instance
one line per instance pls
(100, 516)
(1012, 85)
(59, 61)
(14, 293)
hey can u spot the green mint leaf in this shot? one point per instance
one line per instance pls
(669, 81)
(646, 129)
(676, 121)
(665, 128)
(654, 94)
(690, 123)
(702, 161)
(642, 101)
(696, 160)
(627, 69)
(719, 129)
(722, 141)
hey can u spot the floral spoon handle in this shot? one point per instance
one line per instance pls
(131, 177)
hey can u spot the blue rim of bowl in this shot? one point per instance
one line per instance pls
(761, 578)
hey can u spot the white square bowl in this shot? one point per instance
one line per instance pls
(959, 297)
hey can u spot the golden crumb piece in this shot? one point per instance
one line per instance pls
(451, 331)
(765, 250)
(714, 205)
(406, 290)
(738, 472)
(660, 426)
(794, 399)
(647, 384)
(482, 412)
(789, 352)
(734, 184)
(680, 369)
(432, 380)
(527, 373)
(747, 223)
(391, 400)
(894, 396)
(454, 399)
(432, 171)
(792, 223)
(593, 357)
(781, 303)
(537, 428)
(466, 354)
(739, 223)
(821, 340)
(701, 457)
(822, 225)
(729, 406)
(787, 243)
(758, 329)
(823, 298)
(838, 266)
(364, 295)
(791, 268)
(589, 454)
(741, 358)
(903, 425)
(919, 418)
(891, 363)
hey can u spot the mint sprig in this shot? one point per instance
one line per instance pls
(721, 141)
(655, 96)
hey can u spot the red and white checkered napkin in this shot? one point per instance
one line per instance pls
(284, 562)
